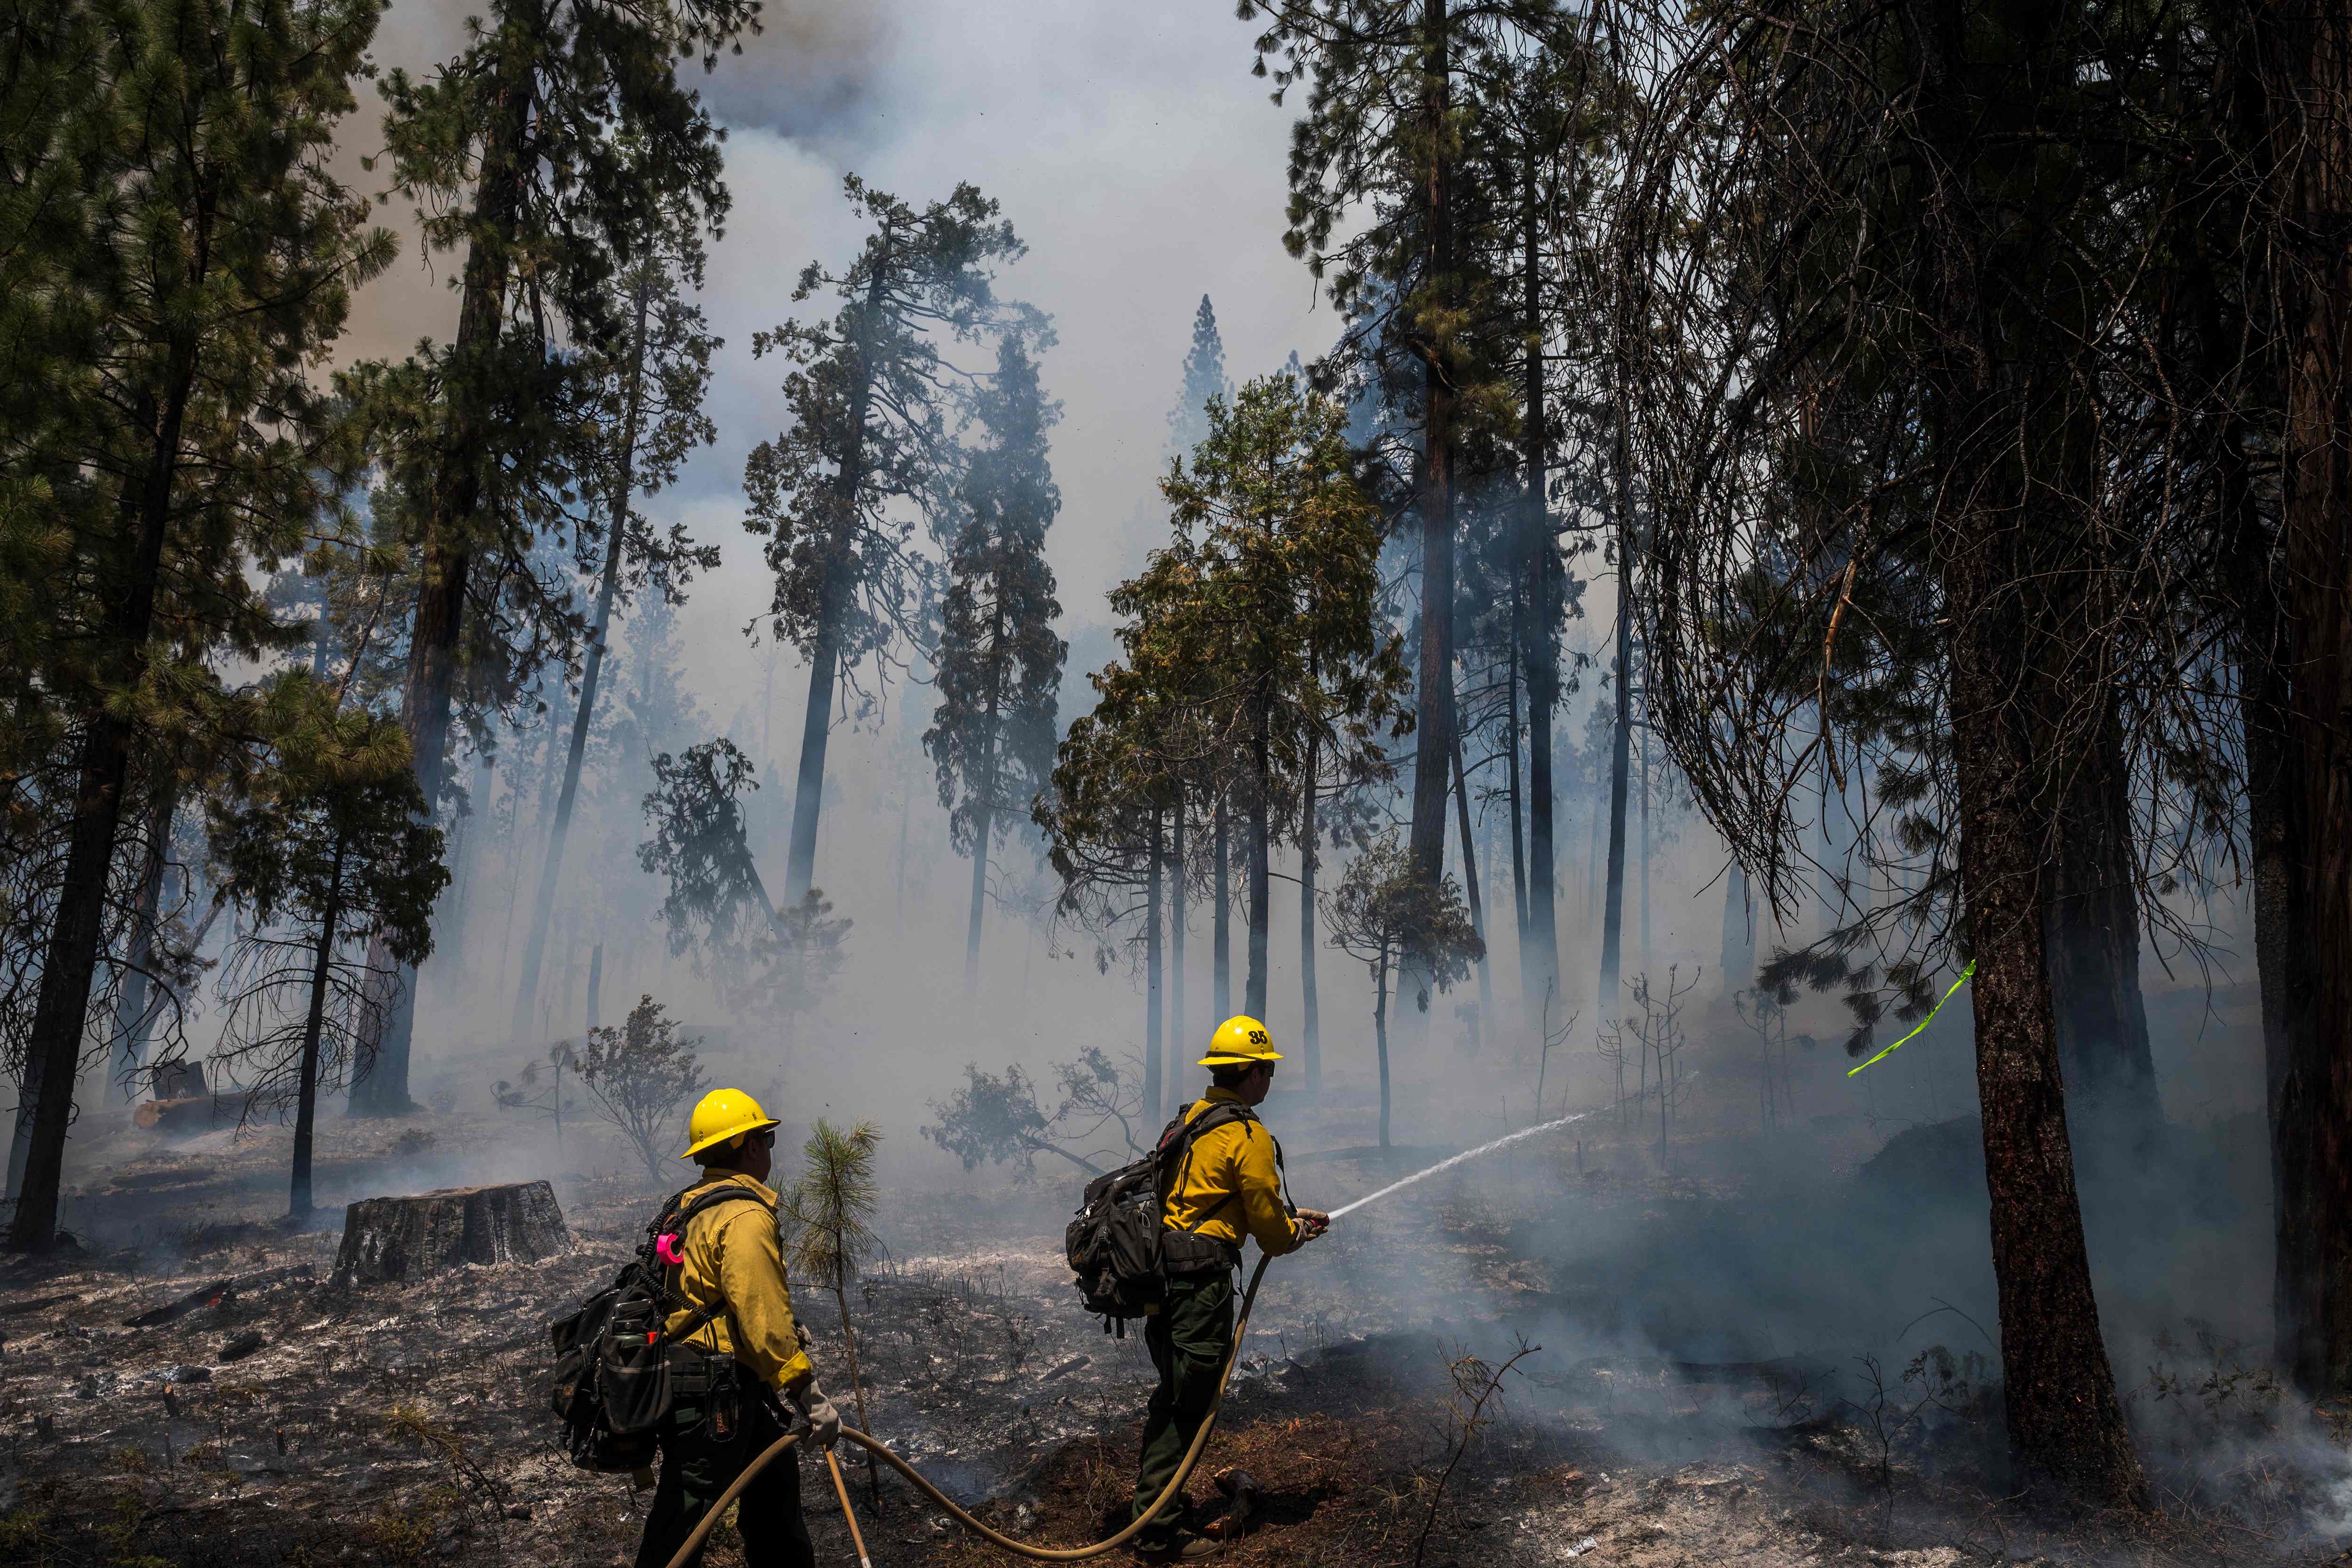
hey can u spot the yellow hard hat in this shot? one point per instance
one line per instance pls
(1240, 1042)
(724, 1114)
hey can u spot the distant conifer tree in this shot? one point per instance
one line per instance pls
(1204, 378)
(1000, 662)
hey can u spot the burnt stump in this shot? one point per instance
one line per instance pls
(403, 1239)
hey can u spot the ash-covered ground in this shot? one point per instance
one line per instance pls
(1712, 1369)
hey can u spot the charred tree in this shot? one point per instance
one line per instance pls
(2306, 59)
(1221, 916)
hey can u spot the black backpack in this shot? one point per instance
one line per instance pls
(617, 1370)
(1119, 1243)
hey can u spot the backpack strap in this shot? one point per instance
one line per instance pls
(1225, 1113)
(724, 1192)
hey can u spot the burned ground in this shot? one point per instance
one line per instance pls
(1659, 1423)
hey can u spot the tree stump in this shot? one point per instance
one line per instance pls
(409, 1237)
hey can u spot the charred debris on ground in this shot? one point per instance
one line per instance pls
(225, 1396)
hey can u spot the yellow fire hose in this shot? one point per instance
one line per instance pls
(776, 1450)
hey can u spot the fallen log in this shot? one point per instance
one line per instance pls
(213, 1295)
(402, 1239)
(180, 1117)
(203, 1296)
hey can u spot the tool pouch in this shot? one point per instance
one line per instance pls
(632, 1370)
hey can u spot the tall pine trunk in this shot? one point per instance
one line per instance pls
(306, 1105)
(1999, 413)
(1513, 795)
(69, 958)
(1612, 910)
(833, 609)
(1221, 950)
(1310, 1037)
(2065, 1423)
(1151, 1038)
(1645, 851)
(982, 827)
(1381, 1036)
(1470, 885)
(1543, 898)
(2308, 62)
(135, 1008)
(983, 805)
(1433, 722)
(1176, 919)
(448, 550)
(1531, 627)
(2263, 696)
(1261, 878)
(551, 873)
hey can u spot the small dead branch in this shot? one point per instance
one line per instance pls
(1471, 1407)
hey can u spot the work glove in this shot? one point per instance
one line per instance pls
(823, 1420)
(1313, 1222)
(800, 1332)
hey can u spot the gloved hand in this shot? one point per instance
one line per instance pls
(823, 1420)
(800, 1332)
(1314, 1222)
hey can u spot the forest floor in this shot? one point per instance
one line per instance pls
(404, 1425)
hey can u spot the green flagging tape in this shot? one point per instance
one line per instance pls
(1930, 1018)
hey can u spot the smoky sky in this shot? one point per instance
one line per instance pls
(1131, 150)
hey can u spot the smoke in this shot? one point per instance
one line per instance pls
(1142, 165)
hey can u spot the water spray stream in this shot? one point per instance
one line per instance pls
(1504, 1142)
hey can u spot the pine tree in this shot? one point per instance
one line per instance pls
(1939, 531)
(1119, 777)
(544, 150)
(1385, 130)
(1204, 379)
(999, 660)
(215, 262)
(830, 1214)
(718, 907)
(1267, 604)
(870, 394)
(327, 857)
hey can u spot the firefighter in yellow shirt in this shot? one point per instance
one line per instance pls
(725, 1262)
(1227, 1186)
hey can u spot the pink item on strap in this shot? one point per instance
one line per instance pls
(666, 1248)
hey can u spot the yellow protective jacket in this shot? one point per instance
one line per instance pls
(1237, 1158)
(732, 1262)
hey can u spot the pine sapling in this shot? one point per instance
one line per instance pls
(828, 1210)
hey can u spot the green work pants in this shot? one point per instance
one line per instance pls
(1188, 1339)
(697, 1466)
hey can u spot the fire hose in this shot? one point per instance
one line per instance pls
(776, 1451)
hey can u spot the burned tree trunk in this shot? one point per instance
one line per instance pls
(1151, 1039)
(1221, 949)
(2307, 62)
(2065, 1423)
(409, 1237)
